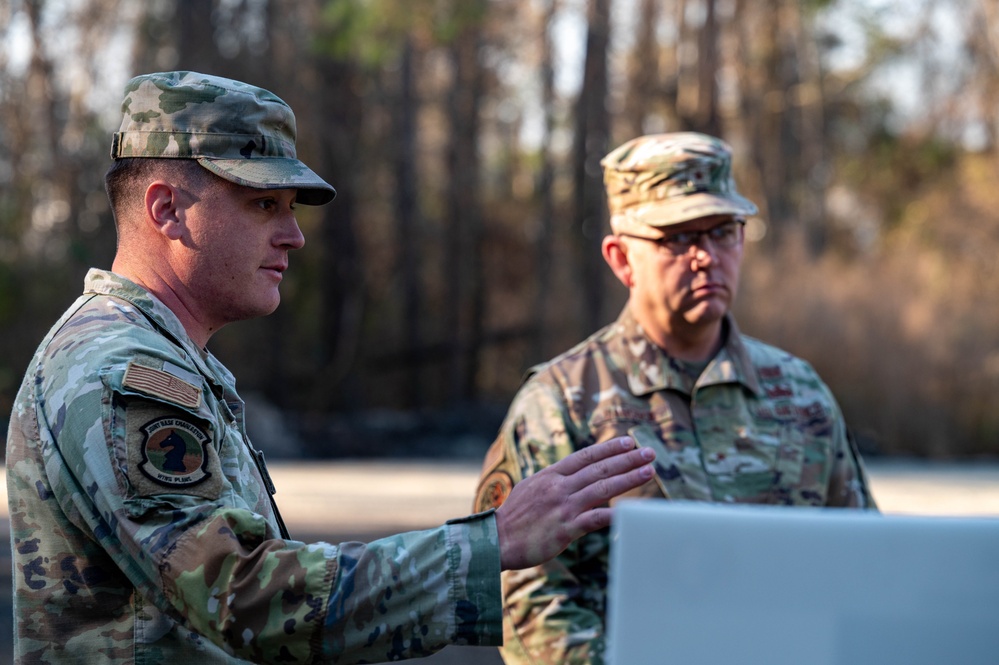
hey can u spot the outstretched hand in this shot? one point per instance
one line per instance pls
(545, 512)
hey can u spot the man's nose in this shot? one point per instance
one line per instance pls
(292, 236)
(704, 251)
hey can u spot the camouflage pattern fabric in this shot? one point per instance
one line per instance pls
(239, 132)
(756, 426)
(663, 179)
(143, 529)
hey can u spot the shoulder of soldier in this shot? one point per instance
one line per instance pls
(546, 383)
(777, 366)
(767, 357)
(501, 467)
(106, 339)
(111, 324)
(597, 347)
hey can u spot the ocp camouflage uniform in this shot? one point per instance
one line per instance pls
(756, 426)
(143, 529)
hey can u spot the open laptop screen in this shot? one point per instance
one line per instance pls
(706, 583)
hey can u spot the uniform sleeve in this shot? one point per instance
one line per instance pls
(399, 597)
(848, 483)
(167, 498)
(552, 613)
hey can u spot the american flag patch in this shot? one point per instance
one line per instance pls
(157, 383)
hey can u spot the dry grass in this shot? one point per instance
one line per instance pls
(907, 335)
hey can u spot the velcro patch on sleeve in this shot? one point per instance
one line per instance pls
(496, 482)
(493, 490)
(159, 383)
(170, 452)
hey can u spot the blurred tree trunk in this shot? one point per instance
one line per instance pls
(195, 36)
(697, 63)
(43, 125)
(404, 113)
(813, 168)
(762, 95)
(466, 291)
(706, 118)
(339, 147)
(672, 66)
(685, 50)
(546, 179)
(644, 84)
(591, 141)
(982, 43)
(782, 109)
(58, 127)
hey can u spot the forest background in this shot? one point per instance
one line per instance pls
(464, 139)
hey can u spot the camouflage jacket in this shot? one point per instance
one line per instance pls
(757, 425)
(143, 529)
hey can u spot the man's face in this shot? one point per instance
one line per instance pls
(236, 250)
(679, 293)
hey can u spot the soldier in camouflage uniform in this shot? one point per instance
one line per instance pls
(142, 522)
(730, 418)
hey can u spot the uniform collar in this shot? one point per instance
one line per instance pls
(651, 369)
(103, 282)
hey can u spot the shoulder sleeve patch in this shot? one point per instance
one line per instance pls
(496, 482)
(170, 453)
(493, 491)
(159, 383)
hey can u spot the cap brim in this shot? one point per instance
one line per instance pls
(273, 173)
(686, 208)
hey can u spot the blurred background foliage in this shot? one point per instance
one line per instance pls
(464, 139)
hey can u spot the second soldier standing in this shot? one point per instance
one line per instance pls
(731, 419)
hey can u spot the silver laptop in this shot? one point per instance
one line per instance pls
(700, 583)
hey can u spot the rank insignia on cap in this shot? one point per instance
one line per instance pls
(162, 384)
(173, 452)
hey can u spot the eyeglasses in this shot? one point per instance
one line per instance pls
(724, 236)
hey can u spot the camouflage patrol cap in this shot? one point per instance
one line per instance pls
(663, 179)
(237, 131)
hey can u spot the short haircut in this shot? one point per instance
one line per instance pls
(126, 180)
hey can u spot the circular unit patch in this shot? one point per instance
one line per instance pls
(494, 490)
(173, 452)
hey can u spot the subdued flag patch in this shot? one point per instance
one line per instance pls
(158, 383)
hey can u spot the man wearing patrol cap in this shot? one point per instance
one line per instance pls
(731, 419)
(142, 523)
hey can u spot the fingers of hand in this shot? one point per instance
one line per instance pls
(591, 520)
(548, 510)
(587, 456)
(604, 489)
(608, 468)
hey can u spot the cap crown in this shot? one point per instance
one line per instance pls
(189, 115)
(664, 179)
(237, 131)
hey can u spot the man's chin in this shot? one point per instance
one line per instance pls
(706, 313)
(258, 310)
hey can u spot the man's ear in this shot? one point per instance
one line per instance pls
(164, 210)
(616, 255)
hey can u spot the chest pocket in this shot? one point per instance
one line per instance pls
(757, 464)
(679, 473)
